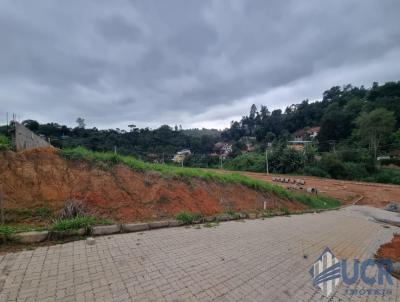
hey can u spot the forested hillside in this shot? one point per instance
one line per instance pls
(356, 126)
(338, 114)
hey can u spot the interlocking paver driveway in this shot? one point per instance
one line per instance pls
(255, 260)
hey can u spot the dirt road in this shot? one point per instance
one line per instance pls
(363, 193)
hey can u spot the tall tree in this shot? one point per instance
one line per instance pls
(81, 122)
(375, 127)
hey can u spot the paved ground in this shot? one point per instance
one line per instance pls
(256, 260)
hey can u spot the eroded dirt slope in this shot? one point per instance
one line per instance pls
(41, 177)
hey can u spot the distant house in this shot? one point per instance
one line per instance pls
(181, 155)
(222, 149)
(306, 134)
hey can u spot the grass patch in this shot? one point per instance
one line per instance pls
(78, 222)
(109, 158)
(187, 218)
(7, 231)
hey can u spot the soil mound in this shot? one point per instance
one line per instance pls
(40, 177)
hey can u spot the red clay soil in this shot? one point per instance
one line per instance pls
(390, 250)
(365, 193)
(41, 177)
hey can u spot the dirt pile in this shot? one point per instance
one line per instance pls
(41, 177)
(390, 250)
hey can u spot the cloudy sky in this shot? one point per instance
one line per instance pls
(196, 63)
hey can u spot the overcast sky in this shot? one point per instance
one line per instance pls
(196, 63)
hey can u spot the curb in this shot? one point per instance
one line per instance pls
(31, 237)
(106, 229)
(102, 230)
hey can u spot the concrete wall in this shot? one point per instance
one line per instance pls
(23, 138)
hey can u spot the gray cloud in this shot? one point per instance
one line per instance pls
(186, 62)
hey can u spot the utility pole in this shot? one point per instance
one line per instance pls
(115, 149)
(266, 160)
(220, 161)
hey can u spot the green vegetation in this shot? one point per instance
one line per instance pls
(8, 230)
(285, 211)
(5, 143)
(42, 213)
(344, 163)
(78, 222)
(187, 218)
(188, 173)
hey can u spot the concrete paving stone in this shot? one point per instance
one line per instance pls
(260, 260)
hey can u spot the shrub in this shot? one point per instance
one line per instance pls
(5, 143)
(72, 208)
(253, 162)
(392, 161)
(316, 171)
(355, 170)
(187, 218)
(333, 166)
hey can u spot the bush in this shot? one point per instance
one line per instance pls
(385, 175)
(392, 161)
(72, 208)
(315, 171)
(187, 218)
(5, 143)
(333, 165)
(253, 162)
(355, 170)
